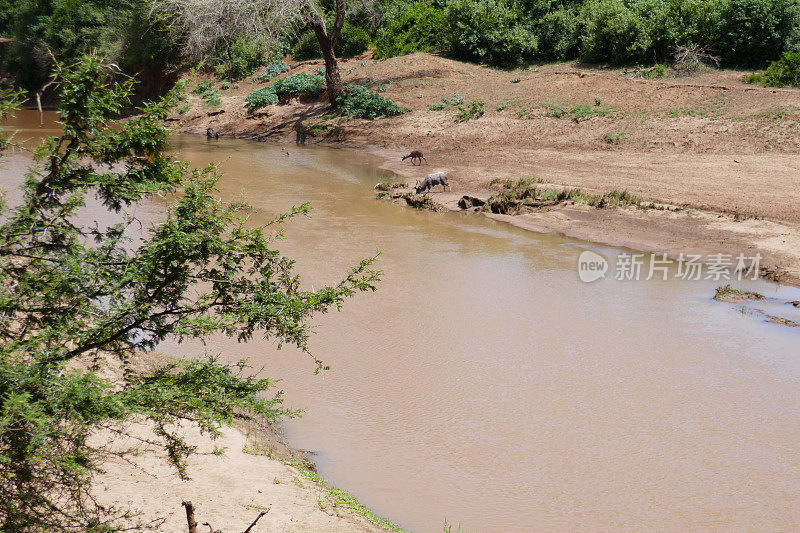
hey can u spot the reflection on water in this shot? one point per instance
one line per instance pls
(485, 384)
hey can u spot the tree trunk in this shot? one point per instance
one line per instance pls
(327, 43)
(333, 79)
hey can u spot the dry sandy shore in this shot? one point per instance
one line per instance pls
(231, 483)
(232, 479)
(724, 152)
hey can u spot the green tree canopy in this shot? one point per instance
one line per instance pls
(74, 290)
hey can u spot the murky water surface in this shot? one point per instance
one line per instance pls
(485, 385)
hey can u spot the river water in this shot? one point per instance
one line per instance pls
(485, 385)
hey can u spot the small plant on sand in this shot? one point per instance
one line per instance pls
(203, 87)
(584, 111)
(212, 99)
(205, 90)
(658, 71)
(473, 111)
(614, 138)
(554, 111)
(447, 102)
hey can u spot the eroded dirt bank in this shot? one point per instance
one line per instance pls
(724, 152)
(231, 479)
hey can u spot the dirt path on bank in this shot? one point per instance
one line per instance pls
(724, 151)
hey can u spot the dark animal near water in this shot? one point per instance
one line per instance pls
(432, 180)
(415, 155)
(211, 134)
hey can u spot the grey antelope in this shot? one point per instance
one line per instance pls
(430, 181)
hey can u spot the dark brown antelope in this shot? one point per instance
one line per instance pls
(415, 155)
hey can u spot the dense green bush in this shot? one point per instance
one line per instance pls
(781, 73)
(360, 102)
(242, 58)
(489, 31)
(261, 98)
(614, 33)
(752, 32)
(419, 29)
(352, 41)
(299, 84)
(559, 34)
(72, 28)
(670, 23)
(295, 85)
(306, 47)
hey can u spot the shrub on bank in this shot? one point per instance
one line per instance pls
(273, 69)
(299, 85)
(261, 98)
(614, 33)
(489, 31)
(353, 40)
(419, 29)
(295, 85)
(360, 102)
(752, 32)
(781, 73)
(243, 58)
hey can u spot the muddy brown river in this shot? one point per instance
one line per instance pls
(485, 385)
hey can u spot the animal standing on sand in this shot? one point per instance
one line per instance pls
(416, 154)
(430, 181)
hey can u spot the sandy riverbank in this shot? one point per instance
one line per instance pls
(723, 151)
(232, 479)
(248, 469)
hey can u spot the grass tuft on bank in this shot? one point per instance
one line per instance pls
(727, 293)
(517, 194)
(345, 499)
